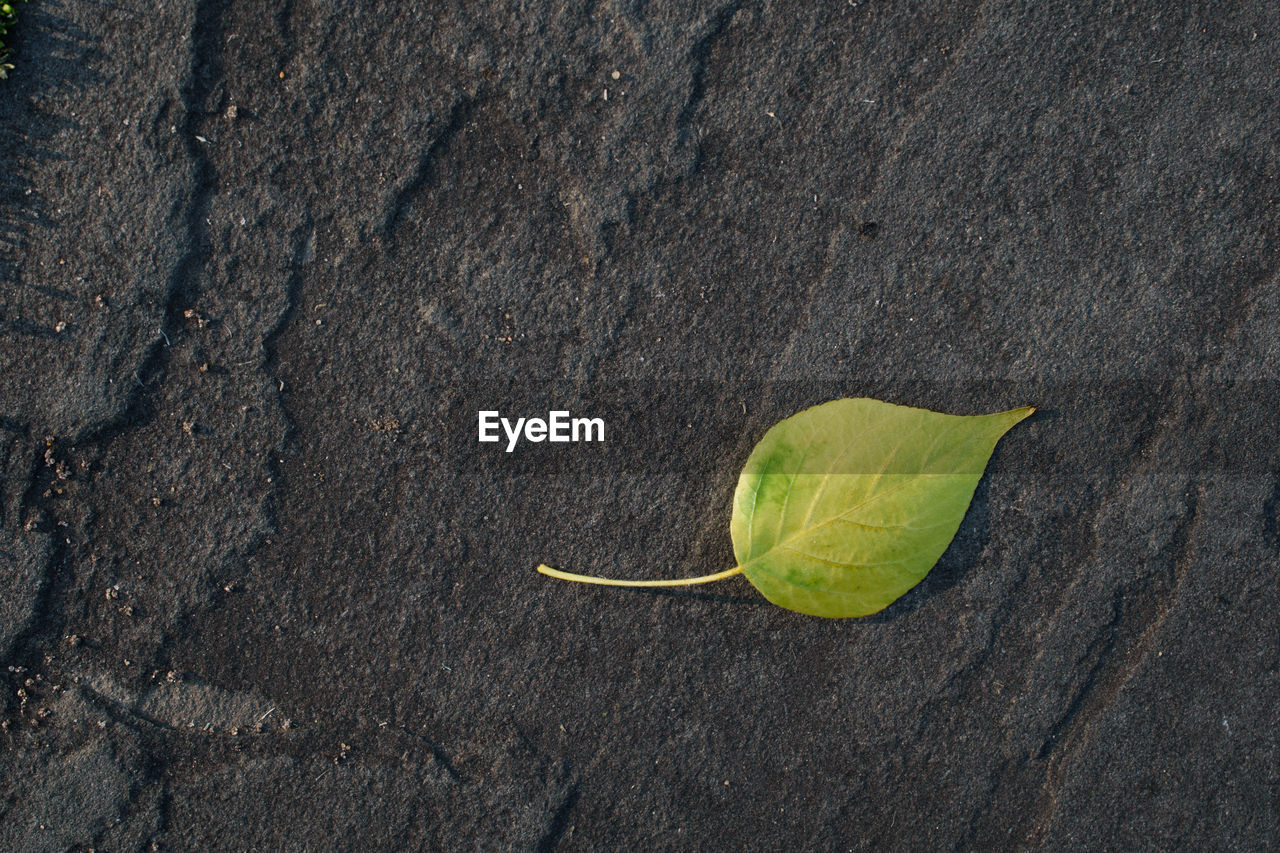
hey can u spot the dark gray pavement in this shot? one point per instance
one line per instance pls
(262, 263)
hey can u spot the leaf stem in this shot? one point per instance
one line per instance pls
(568, 576)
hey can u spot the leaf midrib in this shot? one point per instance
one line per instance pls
(809, 530)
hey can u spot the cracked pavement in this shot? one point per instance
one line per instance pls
(261, 264)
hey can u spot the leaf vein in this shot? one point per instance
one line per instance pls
(786, 499)
(838, 565)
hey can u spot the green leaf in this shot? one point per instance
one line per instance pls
(844, 507)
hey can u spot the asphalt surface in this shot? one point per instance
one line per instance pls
(261, 265)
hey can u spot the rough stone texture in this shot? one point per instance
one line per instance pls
(262, 264)
(24, 547)
(76, 787)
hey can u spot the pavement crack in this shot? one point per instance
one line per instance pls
(1115, 662)
(559, 821)
(967, 840)
(698, 56)
(25, 506)
(402, 200)
(204, 75)
(304, 242)
(1099, 651)
(438, 754)
(1270, 517)
(1234, 316)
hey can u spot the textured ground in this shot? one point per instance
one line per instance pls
(262, 263)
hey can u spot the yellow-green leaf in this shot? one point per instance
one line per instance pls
(844, 507)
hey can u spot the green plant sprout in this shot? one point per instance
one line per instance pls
(8, 18)
(845, 506)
